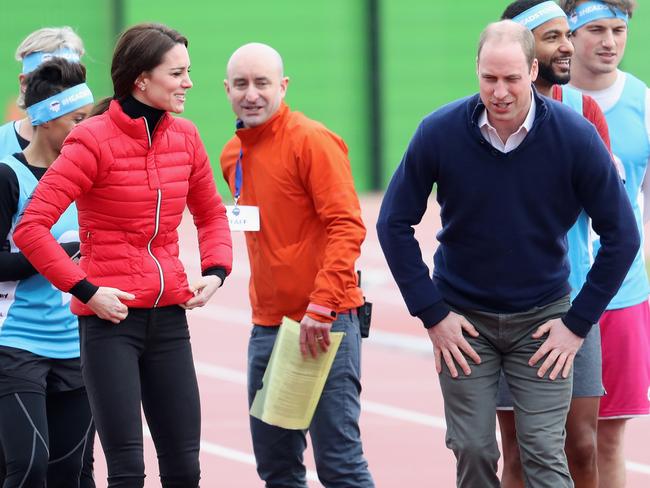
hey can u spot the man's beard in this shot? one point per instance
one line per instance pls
(546, 72)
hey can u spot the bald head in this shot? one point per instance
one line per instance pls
(507, 32)
(255, 53)
(255, 83)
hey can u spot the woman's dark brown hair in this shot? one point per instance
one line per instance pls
(140, 48)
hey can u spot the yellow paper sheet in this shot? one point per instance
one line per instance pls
(292, 385)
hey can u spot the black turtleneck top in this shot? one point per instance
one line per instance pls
(136, 109)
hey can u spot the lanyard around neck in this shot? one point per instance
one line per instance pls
(238, 176)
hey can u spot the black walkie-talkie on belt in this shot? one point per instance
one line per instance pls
(364, 313)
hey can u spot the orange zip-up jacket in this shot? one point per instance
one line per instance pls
(298, 173)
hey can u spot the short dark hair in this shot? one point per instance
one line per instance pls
(52, 77)
(519, 6)
(627, 6)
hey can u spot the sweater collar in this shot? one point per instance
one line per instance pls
(251, 134)
(136, 127)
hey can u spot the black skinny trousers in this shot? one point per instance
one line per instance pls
(47, 439)
(145, 360)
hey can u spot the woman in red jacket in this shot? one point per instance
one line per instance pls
(131, 171)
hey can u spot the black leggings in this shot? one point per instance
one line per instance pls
(144, 360)
(47, 439)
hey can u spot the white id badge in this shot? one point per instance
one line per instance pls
(243, 217)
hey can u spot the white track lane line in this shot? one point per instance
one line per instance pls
(242, 316)
(232, 454)
(239, 377)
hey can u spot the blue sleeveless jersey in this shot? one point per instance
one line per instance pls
(629, 138)
(579, 236)
(35, 316)
(8, 142)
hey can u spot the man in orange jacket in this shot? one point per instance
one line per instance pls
(291, 175)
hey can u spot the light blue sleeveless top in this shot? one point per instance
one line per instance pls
(8, 142)
(629, 138)
(35, 316)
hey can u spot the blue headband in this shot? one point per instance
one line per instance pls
(60, 104)
(539, 14)
(590, 11)
(34, 60)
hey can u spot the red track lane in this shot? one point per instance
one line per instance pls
(402, 418)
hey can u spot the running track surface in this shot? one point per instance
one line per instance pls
(402, 420)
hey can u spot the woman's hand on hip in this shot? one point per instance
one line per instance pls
(107, 304)
(203, 289)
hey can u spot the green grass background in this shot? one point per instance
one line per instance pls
(428, 54)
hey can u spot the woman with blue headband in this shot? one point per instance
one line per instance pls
(45, 418)
(36, 48)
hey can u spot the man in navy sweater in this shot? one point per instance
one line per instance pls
(513, 171)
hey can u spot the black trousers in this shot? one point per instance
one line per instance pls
(144, 361)
(47, 439)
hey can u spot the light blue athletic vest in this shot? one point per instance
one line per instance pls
(34, 315)
(579, 236)
(630, 144)
(8, 141)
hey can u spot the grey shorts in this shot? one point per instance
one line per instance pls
(587, 372)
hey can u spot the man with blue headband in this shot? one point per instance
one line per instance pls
(599, 34)
(553, 49)
(513, 171)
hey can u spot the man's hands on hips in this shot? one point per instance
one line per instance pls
(314, 336)
(561, 347)
(449, 343)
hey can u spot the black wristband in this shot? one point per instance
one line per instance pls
(84, 290)
(216, 271)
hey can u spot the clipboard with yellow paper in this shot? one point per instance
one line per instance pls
(292, 385)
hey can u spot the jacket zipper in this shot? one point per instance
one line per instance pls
(155, 232)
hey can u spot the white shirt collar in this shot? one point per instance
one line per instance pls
(490, 133)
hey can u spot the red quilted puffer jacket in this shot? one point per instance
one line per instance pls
(130, 194)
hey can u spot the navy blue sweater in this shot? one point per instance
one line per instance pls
(505, 216)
